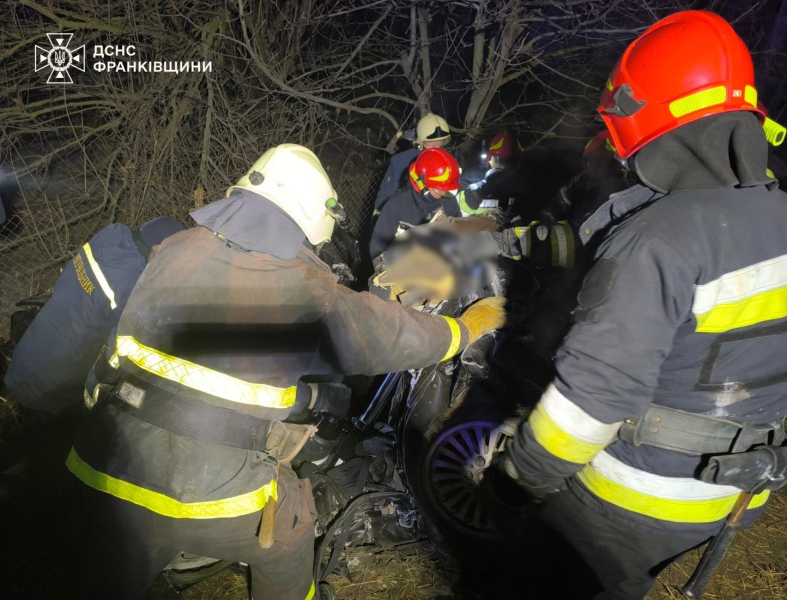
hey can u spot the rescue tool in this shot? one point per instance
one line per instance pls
(717, 548)
(755, 471)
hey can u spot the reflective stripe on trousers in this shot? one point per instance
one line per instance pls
(310, 595)
(102, 281)
(203, 379)
(235, 506)
(676, 499)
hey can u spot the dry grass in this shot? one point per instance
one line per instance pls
(9, 416)
(754, 569)
(395, 575)
(417, 573)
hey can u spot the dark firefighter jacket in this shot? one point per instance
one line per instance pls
(584, 194)
(407, 206)
(529, 184)
(685, 307)
(53, 357)
(234, 328)
(500, 188)
(554, 240)
(395, 176)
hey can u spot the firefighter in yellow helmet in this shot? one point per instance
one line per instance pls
(431, 132)
(214, 350)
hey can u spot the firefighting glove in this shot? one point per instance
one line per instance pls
(762, 469)
(499, 216)
(509, 497)
(331, 399)
(103, 376)
(484, 316)
(532, 487)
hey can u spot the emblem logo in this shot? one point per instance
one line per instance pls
(59, 58)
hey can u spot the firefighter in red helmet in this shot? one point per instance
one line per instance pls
(434, 183)
(504, 150)
(676, 353)
(502, 182)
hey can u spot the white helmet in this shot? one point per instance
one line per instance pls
(432, 128)
(292, 177)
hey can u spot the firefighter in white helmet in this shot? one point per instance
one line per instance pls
(431, 132)
(215, 351)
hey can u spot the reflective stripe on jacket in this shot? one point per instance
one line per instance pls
(53, 357)
(216, 324)
(483, 207)
(98, 273)
(239, 329)
(686, 307)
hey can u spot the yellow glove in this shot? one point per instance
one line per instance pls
(484, 316)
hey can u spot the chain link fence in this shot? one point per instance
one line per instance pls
(49, 217)
(356, 172)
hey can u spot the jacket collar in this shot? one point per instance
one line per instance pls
(252, 223)
(712, 153)
(618, 206)
(426, 201)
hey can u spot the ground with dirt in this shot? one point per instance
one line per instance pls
(754, 569)
(36, 518)
(37, 508)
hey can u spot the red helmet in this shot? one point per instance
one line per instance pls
(505, 146)
(687, 66)
(601, 141)
(435, 169)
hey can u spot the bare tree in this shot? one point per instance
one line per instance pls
(343, 77)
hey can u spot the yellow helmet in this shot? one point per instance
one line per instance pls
(432, 128)
(292, 177)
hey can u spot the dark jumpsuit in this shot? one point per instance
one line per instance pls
(225, 322)
(53, 357)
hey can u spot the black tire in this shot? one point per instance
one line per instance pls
(444, 475)
(450, 444)
(325, 592)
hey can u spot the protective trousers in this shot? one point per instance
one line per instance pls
(127, 546)
(577, 551)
